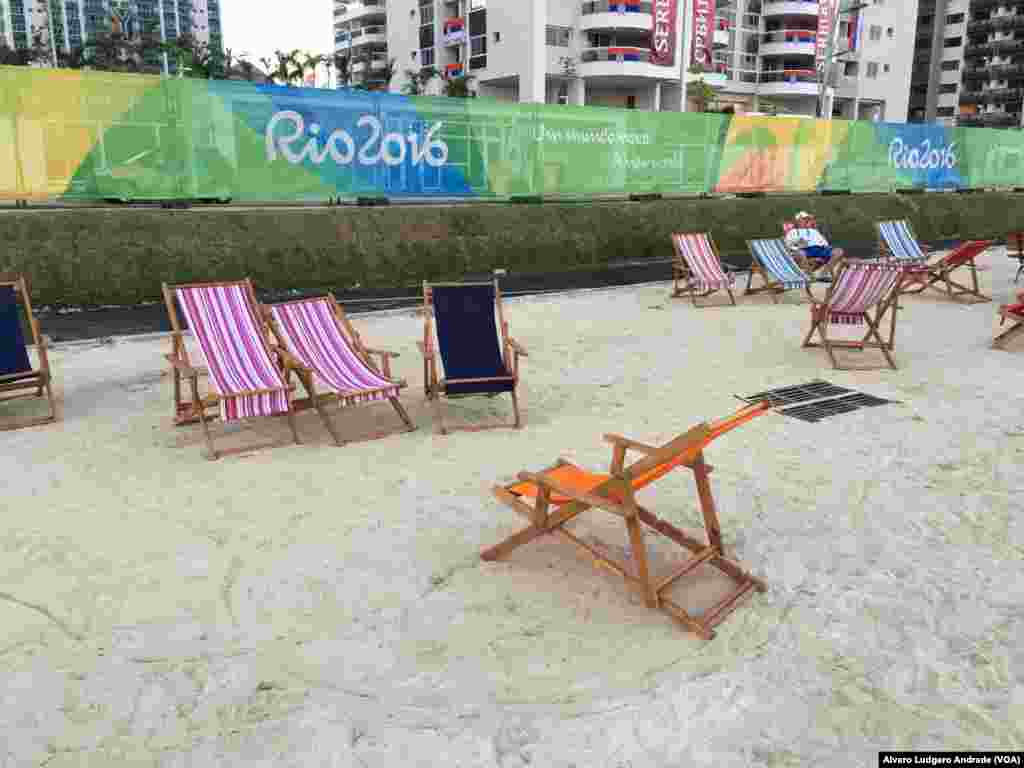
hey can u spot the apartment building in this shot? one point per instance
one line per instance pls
(772, 50)
(618, 53)
(70, 23)
(969, 63)
(361, 36)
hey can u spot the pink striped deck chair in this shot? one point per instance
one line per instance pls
(859, 288)
(245, 378)
(697, 269)
(327, 349)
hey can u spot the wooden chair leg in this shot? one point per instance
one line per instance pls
(435, 401)
(707, 504)
(402, 414)
(290, 416)
(639, 549)
(49, 396)
(515, 408)
(197, 405)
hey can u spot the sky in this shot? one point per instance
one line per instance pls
(257, 27)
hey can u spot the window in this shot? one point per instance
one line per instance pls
(876, 32)
(955, 18)
(950, 66)
(631, 101)
(427, 37)
(890, 32)
(427, 57)
(558, 37)
(944, 112)
(850, 68)
(497, 37)
(885, 68)
(872, 69)
(948, 88)
(952, 42)
(478, 34)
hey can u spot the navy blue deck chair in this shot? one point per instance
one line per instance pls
(16, 372)
(478, 355)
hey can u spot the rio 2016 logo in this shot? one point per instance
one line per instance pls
(923, 157)
(389, 148)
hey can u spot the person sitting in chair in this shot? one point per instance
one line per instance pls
(804, 239)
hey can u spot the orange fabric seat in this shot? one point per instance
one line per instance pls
(567, 474)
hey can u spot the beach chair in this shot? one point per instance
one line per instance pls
(555, 496)
(477, 361)
(1015, 314)
(322, 344)
(697, 268)
(776, 269)
(18, 379)
(247, 379)
(1015, 250)
(859, 288)
(898, 244)
(812, 267)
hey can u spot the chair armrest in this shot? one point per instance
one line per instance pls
(517, 347)
(625, 442)
(288, 360)
(382, 352)
(563, 490)
(182, 367)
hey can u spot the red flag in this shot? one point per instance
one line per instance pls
(663, 32)
(703, 32)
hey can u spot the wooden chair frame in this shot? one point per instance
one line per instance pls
(939, 277)
(1015, 250)
(38, 380)
(195, 407)
(769, 284)
(820, 312)
(306, 375)
(617, 496)
(434, 387)
(1017, 320)
(681, 273)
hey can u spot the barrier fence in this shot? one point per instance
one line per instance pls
(72, 135)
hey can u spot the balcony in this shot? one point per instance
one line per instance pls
(621, 61)
(617, 14)
(360, 10)
(974, 50)
(372, 35)
(790, 8)
(980, 26)
(1008, 21)
(971, 97)
(1008, 46)
(789, 82)
(796, 42)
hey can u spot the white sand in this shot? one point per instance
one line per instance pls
(320, 606)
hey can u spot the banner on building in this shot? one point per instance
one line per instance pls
(703, 33)
(74, 135)
(826, 18)
(663, 32)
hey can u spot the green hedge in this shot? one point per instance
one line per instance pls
(111, 256)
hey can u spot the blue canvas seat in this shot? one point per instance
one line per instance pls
(776, 268)
(18, 379)
(478, 356)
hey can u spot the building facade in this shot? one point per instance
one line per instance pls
(595, 52)
(758, 55)
(361, 37)
(767, 52)
(71, 23)
(969, 63)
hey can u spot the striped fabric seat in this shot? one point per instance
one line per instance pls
(860, 287)
(777, 262)
(697, 252)
(311, 332)
(900, 241)
(242, 369)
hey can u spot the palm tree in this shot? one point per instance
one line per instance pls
(458, 87)
(342, 65)
(418, 80)
(308, 63)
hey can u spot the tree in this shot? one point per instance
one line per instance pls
(458, 87)
(417, 80)
(699, 92)
(342, 66)
(284, 68)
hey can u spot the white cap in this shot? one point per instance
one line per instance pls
(802, 215)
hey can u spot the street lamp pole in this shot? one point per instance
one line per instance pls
(826, 72)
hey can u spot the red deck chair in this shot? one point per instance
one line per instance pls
(859, 287)
(1015, 314)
